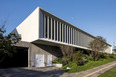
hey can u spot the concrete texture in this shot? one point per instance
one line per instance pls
(35, 48)
(43, 49)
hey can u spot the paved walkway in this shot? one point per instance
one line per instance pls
(95, 72)
(31, 72)
(54, 72)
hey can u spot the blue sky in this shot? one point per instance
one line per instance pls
(97, 17)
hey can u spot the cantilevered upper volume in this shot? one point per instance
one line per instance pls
(45, 28)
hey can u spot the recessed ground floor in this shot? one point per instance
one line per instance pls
(40, 55)
(18, 59)
(33, 55)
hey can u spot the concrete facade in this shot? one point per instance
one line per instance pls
(42, 33)
(34, 48)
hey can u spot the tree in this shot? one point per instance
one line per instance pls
(7, 43)
(97, 45)
(67, 52)
(114, 50)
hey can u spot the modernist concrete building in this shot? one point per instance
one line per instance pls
(42, 33)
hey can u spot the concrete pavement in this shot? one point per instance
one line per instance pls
(31, 72)
(54, 72)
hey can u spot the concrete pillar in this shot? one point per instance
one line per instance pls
(44, 26)
(51, 29)
(54, 29)
(62, 33)
(48, 27)
(78, 38)
(69, 35)
(65, 33)
(29, 57)
(57, 30)
(73, 36)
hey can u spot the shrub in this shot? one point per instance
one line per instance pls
(58, 60)
(89, 58)
(111, 55)
(63, 60)
(103, 55)
(79, 58)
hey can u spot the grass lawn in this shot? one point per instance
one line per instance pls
(89, 65)
(109, 73)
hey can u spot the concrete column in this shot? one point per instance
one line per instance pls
(67, 33)
(44, 26)
(62, 32)
(57, 30)
(29, 57)
(74, 37)
(71, 36)
(48, 27)
(78, 38)
(54, 29)
(51, 29)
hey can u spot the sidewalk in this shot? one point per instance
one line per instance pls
(53, 72)
(95, 72)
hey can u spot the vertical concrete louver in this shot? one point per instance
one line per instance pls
(60, 31)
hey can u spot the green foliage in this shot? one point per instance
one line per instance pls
(103, 55)
(7, 43)
(79, 61)
(67, 50)
(88, 65)
(96, 45)
(89, 58)
(79, 58)
(58, 61)
(106, 56)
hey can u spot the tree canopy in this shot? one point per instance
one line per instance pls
(97, 45)
(7, 43)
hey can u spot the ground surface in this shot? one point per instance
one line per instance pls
(31, 72)
(54, 72)
(109, 73)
